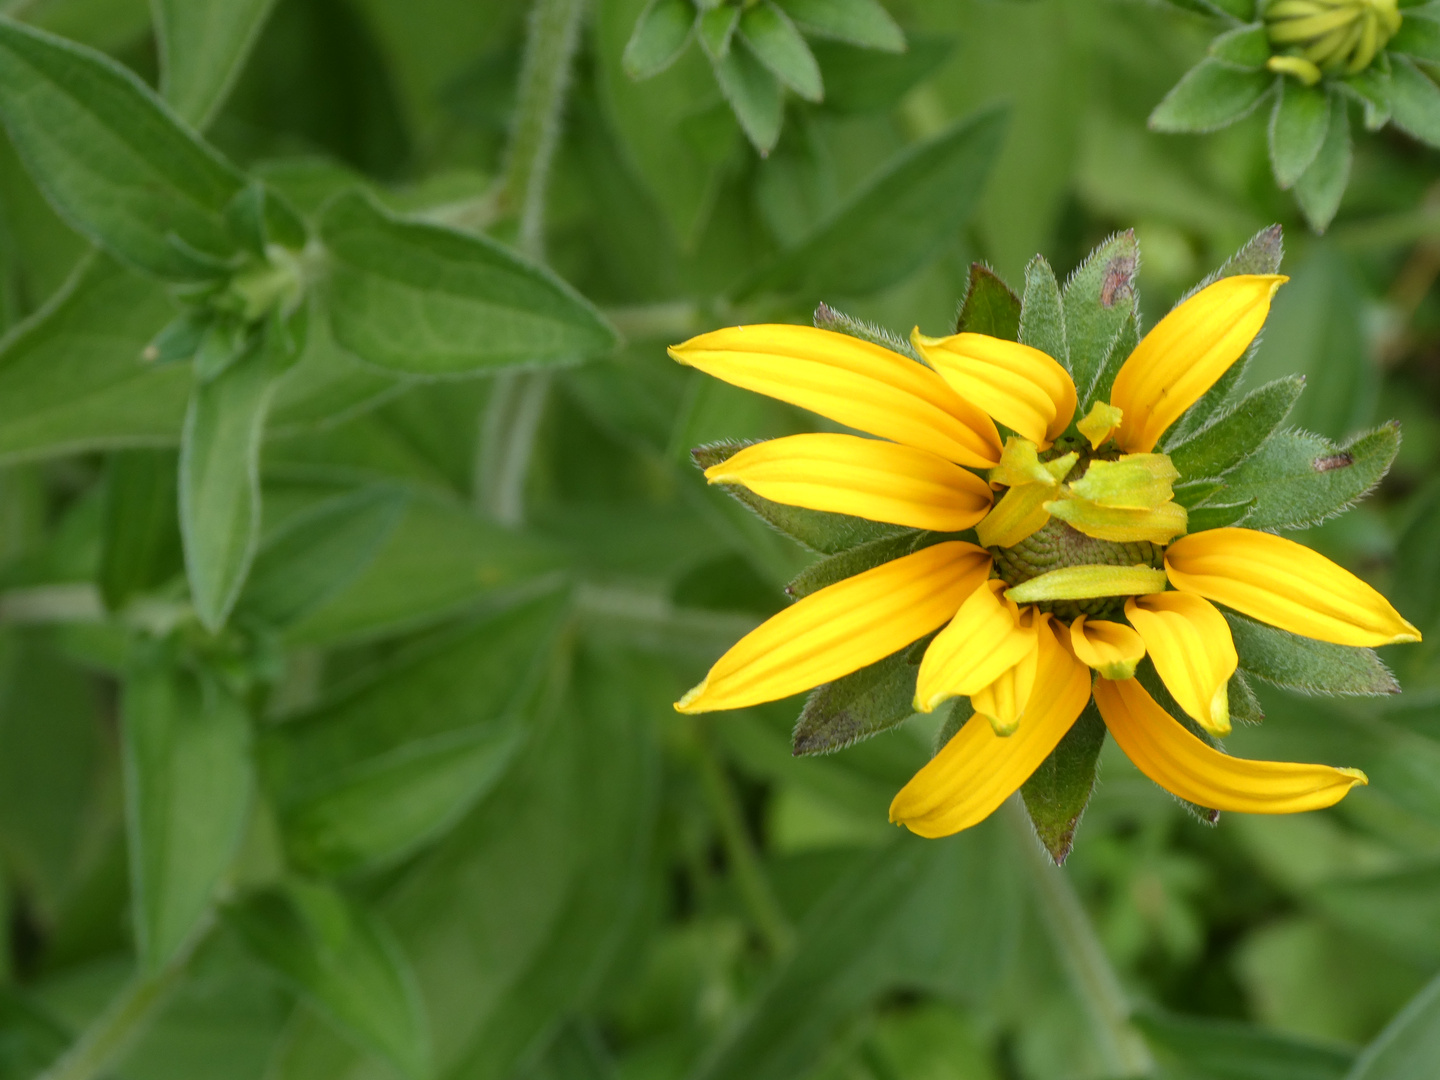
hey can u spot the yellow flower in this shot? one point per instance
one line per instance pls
(1085, 535)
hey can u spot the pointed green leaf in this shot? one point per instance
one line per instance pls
(428, 300)
(1415, 101)
(1212, 95)
(1244, 47)
(1235, 1051)
(1307, 665)
(897, 221)
(1244, 705)
(140, 539)
(855, 560)
(860, 22)
(989, 307)
(716, 27)
(1298, 124)
(826, 533)
(1099, 300)
(1231, 438)
(1299, 480)
(1059, 790)
(1322, 185)
(1371, 88)
(755, 95)
(1418, 36)
(1410, 1044)
(220, 482)
(188, 783)
(661, 34)
(864, 703)
(1192, 493)
(1218, 515)
(328, 384)
(113, 159)
(827, 318)
(345, 962)
(203, 45)
(1115, 356)
(1042, 312)
(778, 45)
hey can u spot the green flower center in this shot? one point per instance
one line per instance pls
(1057, 545)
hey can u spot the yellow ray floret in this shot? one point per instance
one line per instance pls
(1022, 388)
(1032, 483)
(1004, 701)
(1102, 421)
(842, 628)
(1185, 353)
(1163, 750)
(858, 384)
(1159, 526)
(1284, 584)
(1113, 649)
(978, 770)
(984, 640)
(1189, 642)
(845, 474)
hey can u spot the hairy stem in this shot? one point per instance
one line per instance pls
(1122, 1049)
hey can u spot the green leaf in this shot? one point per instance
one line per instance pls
(661, 34)
(203, 45)
(328, 384)
(1416, 566)
(1299, 480)
(1307, 665)
(1419, 36)
(427, 300)
(1231, 438)
(895, 222)
(860, 22)
(1218, 515)
(220, 483)
(1099, 302)
(717, 27)
(827, 318)
(989, 307)
(317, 553)
(1322, 185)
(1410, 1044)
(755, 95)
(1371, 88)
(1210, 96)
(856, 706)
(1415, 101)
(1261, 254)
(778, 45)
(1059, 790)
(861, 81)
(1244, 47)
(188, 783)
(1244, 705)
(824, 532)
(367, 777)
(140, 544)
(1192, 493)
(1119, 351)
(1298, 124)
(112, 159)
(1042, 312)
(1229, 1050)
(855, 560)
(345, 962)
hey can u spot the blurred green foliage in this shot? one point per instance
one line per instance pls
(349, 566)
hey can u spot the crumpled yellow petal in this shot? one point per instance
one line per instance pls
(1164, 751)
(845, 474)
(1004, 701)
(1100, 423)
(1021, 387)
(1178, 360)
(1088, 582)
(1189, 642)
(1159, 526)
(842, 628)
(1134, 482)
(1032, 482)
(978, 770)
(1284, 584)
(858, 384)
(1111, 648)
(983, 640)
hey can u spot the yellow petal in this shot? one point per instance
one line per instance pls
(1032, 482)
(858, 384)
(1100, 423)
(1134, 482)
(1003, 702)
(1186, 352)
(1159, 526)
(842, 628)
(1284, 584)
(1088, 583)
(1113, 649)
(1021, 387)
(982, 641)
(978, 770)
(846, 474)
(1189, 642)
(1163, 750)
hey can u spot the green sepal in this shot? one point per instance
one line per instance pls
(773, 39)
(817, 530)
(259, 216)
(1150, 680)
(1298, 124)
(1414, 101)
(1218, 515)
(1245, 707)
(827, 318)
(1322, 185)
(1244, 10)
(865, 23)
(1210, 96)
(1099, 299)
(225, 340)
(1309, 666)
(1298, 480)
(864, 703)
(716, 28)
(1194, 492)
(660, 36)
(1371, 88)
(1120, 349)
(1419, 36)
(180, 339)
(959, 715)
(990, 306)
(755, 96)
(855, 560)
(1231, 438)
(1059, 790)
(1243, 47)
(1042, 312)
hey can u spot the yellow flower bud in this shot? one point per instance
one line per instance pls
(1336, 37)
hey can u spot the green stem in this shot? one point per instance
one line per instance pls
(754, 886)
(1122, 1049)
(124, 1019)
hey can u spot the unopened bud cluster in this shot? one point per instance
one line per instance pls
(1313, 38)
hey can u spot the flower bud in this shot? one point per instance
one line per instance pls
(1334, 37)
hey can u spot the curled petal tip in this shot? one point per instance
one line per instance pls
(1360, 777)
(690, 702)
